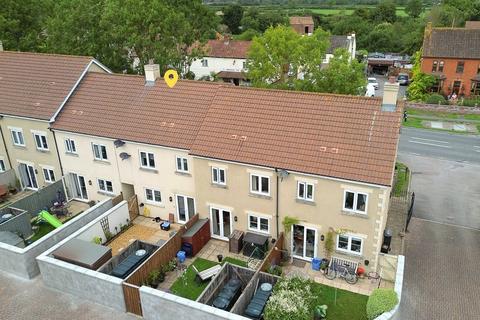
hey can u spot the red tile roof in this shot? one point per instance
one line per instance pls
(337, 136)
(227, 49)
(34, 85)
(301, 20)
(121, 106)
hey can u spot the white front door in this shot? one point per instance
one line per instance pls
(221, 223)
(28, 176)
(185, 208)
(304, 242)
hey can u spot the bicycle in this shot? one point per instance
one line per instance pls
(342, 272)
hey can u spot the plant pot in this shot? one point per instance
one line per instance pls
(154, 284)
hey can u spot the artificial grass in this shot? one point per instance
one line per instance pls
(43, 229)
(402, 179)
(346, 306)
(186, 286)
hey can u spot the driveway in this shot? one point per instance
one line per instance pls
(381, 81)
(30, 299)
(442, 245)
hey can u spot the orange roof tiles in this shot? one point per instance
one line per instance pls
(301, 20)
(337, 136)
(34, 85)
(227, 48)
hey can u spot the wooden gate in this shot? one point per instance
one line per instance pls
(132, 298)
(133, 207)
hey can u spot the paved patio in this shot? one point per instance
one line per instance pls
(144, 229)
(74, 208)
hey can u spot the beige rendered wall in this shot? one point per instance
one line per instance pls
(235, 196)
(29, 154)
(164, 177)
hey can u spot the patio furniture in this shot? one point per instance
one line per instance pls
(255, 245)
(165, 225)
(124, 268)
(228, 295)
(255, 308)
(235, 241)
(197, 235)
(207, 273)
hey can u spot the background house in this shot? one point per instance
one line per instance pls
(302, 25)
(452, 55)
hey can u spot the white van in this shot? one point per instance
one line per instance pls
(370, 90)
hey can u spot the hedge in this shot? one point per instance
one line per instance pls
(380, 301)
(436, 99)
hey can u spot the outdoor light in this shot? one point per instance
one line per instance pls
(170, 198)
(322, 237)
(235, 218)
(89, 182)
(366, 262)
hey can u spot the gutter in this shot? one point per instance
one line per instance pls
(277, 202)
(5, 144)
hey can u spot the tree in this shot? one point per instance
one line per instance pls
(414, 8)
(22, 24)
(343, 75)
(385, 11)
(276, 58)
(382, 39)
(232, 17)
(421, 82)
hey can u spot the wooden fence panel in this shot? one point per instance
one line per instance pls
(117, 199)
(133, 207)
(132, 299)
(274, 256)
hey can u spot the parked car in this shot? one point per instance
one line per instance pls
(403, 79)
(374, 82)
(370, 92)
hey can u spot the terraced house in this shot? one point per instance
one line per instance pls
(244, 158)
(33, 89)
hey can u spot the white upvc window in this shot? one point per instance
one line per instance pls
(305, 191)
(153, 196)
(49, 175)
(349, 244)
(204, 63)
(40, 141)
(2, 165)
(219, 176)
(105, 185)
(260, 184)
(182, 164)
(99, 152)
(17, 137)
(147, 160)
(258, 223)
(355, 202)
(70, 146)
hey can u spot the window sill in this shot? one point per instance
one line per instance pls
(71, 154)
(259, 232)
(261, 196)
(19, 146)
(101, 161)
(355, 214)
(352, 255)
(218, 185)
(105, 193)
(152, 170)
(182, 173)
(308, 202)
(43, 151)
(159, 205)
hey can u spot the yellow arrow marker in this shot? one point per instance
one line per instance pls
(171, 77)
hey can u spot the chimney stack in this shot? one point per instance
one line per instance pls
(152, 73)
(390, 95)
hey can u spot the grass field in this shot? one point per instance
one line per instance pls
(327, 11)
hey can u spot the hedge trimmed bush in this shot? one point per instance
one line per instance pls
(470, 102)
(380, 301)
(436, 99)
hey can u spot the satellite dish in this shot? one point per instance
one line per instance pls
(124, 156)
(282, 173)
(118, 143)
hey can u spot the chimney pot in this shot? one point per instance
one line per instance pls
(152, 73)
(390, 95)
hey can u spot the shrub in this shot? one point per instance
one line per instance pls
(97, 240)
(436, 99)
(380, 301)
(470, 102)
(275, 270)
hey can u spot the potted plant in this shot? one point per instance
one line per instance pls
(320, 312)
(154, 277)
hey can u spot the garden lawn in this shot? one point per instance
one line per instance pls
(348, 306)
(401, 184)
(43, 229)
(187, 287)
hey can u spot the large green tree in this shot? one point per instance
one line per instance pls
(385, 11)
(22, 24)
(414, 8)
(232, 17)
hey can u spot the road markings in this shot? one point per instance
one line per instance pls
(438, 141)
(429, 142)
(476, 148)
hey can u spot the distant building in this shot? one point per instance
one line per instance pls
(452, 55)
(347, 42)
(302, 25)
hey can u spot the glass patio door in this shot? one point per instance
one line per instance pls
(304, 242)
(185, 208)
(28, 177)
(221, 223)
(79, 186)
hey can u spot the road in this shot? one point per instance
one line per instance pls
(442, 243)
(440, 145)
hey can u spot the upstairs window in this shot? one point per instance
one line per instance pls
(305, 191)
(440, 66)
(218, 176)
(434, 66)
(260, 184)
(182, 164)
(99, 152)
(147, 160)
(17, 137)
(460, 66)
(40, 141)
(355, 202)
(70, 146)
